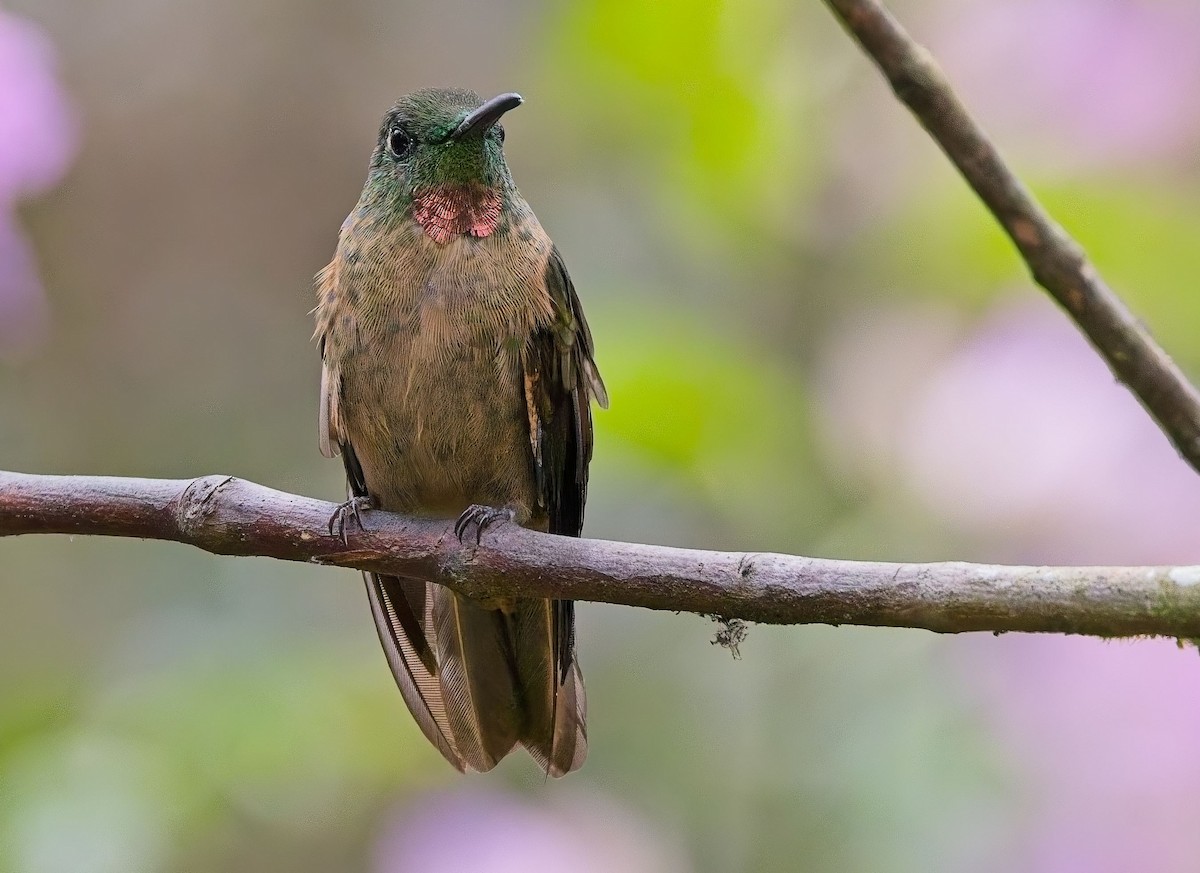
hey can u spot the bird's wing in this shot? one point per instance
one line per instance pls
(329, 424)
(560, 381)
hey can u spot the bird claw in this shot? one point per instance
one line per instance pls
(482, 517)
(352, 508)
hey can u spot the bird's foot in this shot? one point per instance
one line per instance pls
(482, 517)
(352, 508)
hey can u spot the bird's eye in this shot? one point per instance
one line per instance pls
(499, 132)
(399, 143)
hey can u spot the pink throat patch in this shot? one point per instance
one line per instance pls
(449, 211)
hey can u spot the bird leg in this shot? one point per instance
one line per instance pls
(482, 517)
(352, 508)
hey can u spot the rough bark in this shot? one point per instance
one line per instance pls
(228, 516)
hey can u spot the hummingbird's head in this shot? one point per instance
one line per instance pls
(440, 158)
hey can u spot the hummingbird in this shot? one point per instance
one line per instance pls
(457, 381)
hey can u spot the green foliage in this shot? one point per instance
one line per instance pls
(726, 417)
(294, 743)
(1142, 238)
(702, 92)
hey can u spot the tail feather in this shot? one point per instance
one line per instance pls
(570, 726)
(566, 750)
(554, 730)
(476, 675)
(479, 681)
(400, 617)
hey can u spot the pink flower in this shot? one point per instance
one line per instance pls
(1017, 437)
(38, 139)
(470, 828)
(1105, 733)
(1020, 438)
(1093, 82)
(1024, 439)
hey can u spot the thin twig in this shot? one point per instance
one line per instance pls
(1057, 262)
(228, 516)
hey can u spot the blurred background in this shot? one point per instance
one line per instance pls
(816, 342)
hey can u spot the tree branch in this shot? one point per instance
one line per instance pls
(1057, 262)
(228, 516)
